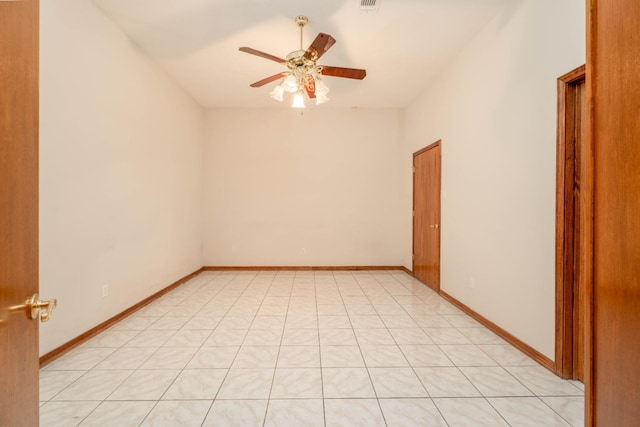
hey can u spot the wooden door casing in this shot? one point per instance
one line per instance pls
(19, 22)
(579, 286)
(426, 215)
(573, 225)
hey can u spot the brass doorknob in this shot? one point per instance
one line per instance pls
(34, 307)
(436, 226)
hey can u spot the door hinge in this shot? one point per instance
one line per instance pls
(413, 256)
(414, 169)
(414, 213)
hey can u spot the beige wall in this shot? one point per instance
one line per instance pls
(120, 172)
(314, 189)
(495, 110)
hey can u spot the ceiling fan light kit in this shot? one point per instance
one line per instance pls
(304, 73)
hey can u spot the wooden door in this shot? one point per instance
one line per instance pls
(18, 210)
(426, 215)
(572, 225)
(613, 85)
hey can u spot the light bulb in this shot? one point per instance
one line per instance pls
(298, 101)
(277, 93)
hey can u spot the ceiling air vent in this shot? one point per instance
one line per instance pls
(369, 6)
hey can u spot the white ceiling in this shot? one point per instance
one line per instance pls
(403, 46)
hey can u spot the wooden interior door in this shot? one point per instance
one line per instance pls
(426, 215)
(19, 22)
(573, 225)
(613, 85)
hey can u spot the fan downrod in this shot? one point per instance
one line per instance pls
(301, 21)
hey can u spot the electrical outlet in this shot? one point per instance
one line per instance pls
(105, 290)
(303, 251)
(472, 282)
(234, 249)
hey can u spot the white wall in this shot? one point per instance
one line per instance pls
(495, 110)
(317, 189)
(120, 172)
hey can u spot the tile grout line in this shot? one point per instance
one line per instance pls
(315, 293)
(187, 363)
(375, 392)
(204, 419)
(407, 360)
(93, 369)
(275, 368)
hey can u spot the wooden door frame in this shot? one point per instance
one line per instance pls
(565, 222)
(413, 207)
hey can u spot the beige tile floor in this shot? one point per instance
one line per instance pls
(364, 348)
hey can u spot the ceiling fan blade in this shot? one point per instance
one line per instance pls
(349, 73)
(262, 54)
(268, 80)
(310, 87)
(320, 45)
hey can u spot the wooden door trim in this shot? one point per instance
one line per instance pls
(413, 201)
(565, 221)
(306, 268)
(427, 148)
(588, 188)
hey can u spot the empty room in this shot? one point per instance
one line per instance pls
(316, 213)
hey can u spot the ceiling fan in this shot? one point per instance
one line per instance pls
(304, 73)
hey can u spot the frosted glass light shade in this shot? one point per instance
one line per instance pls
(277, 93)
(321, 87)
(298, 101)
(321, 98)
(290, 84)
